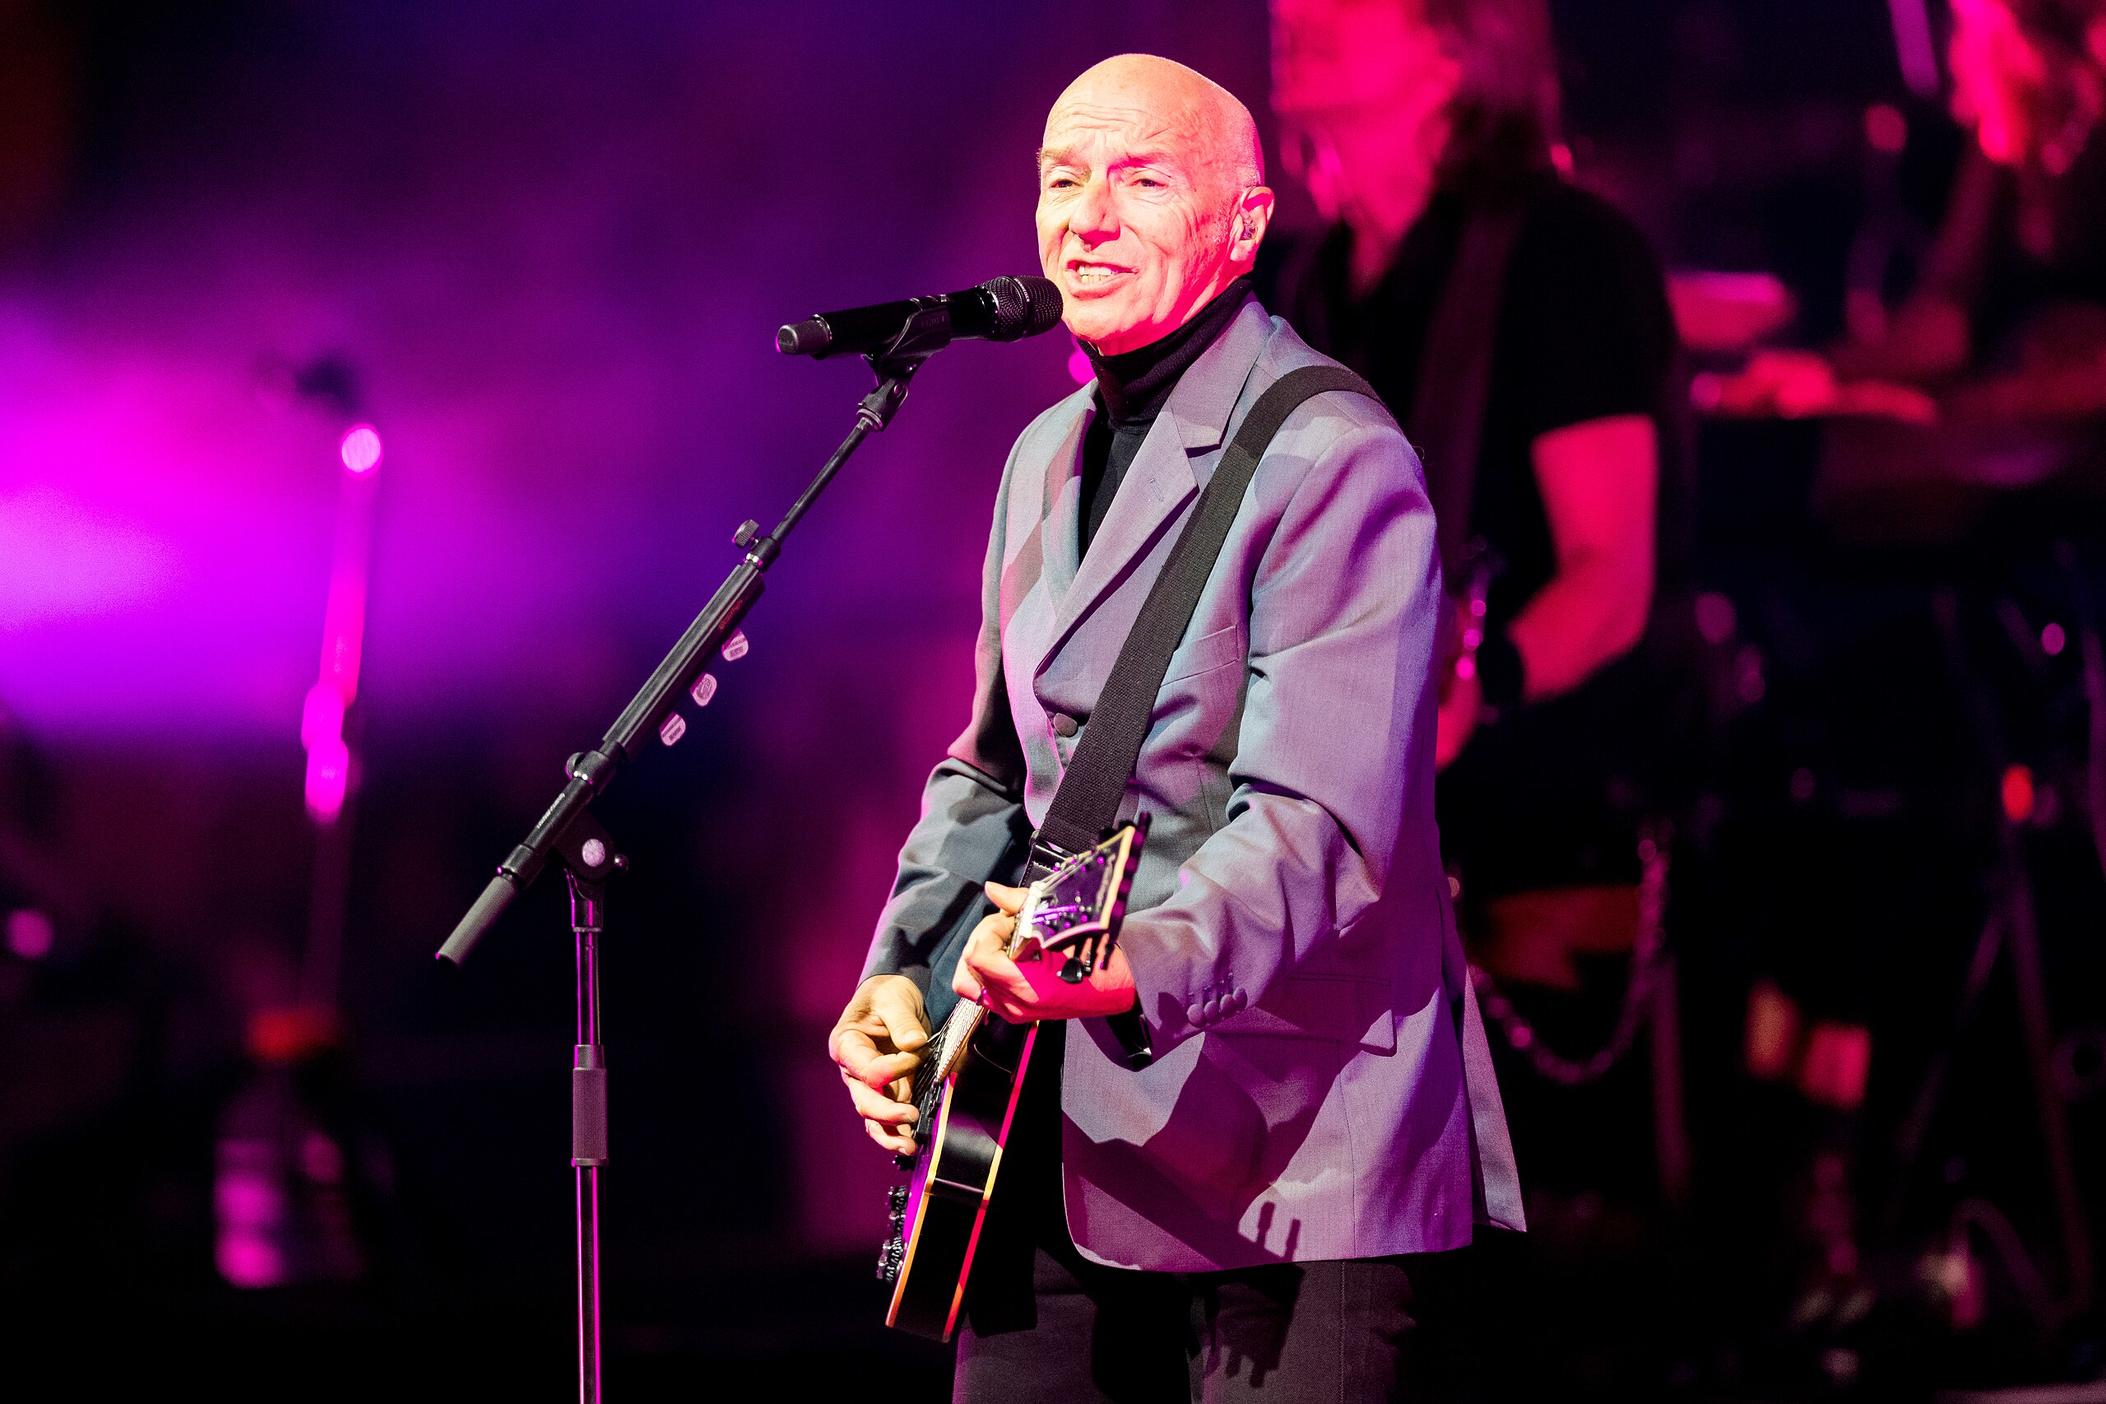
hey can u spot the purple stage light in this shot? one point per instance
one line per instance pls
(360, 448)
(30, 934)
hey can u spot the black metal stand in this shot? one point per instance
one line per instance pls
(568, 832)
(588, 1125)
(2010, 932)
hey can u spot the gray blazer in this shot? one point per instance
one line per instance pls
(1290, 930)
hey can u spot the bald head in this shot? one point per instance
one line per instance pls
(1151, 198)
(1200, 109)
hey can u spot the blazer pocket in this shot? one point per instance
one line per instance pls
(1206, 653)
(1341, 1008)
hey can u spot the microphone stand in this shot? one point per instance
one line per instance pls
(568, 833)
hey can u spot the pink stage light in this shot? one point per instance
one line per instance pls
(1885, 128)
(360, 449)
(343, 632)
(1716, 618)
(250, 1204)
(1079, 368)
(322, 716)
(30, 934)
(328, 778)
(2019, 793)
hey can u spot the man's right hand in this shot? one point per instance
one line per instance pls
(877, 1043)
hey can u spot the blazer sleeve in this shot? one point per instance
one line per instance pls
(1335, 744)
(973, 826)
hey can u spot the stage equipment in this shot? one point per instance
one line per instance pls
(2011, 934)
(1001, 309)
(567, 831)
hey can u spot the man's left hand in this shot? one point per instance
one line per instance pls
(1028, 990)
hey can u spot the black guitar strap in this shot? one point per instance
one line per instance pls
(1087, 803)
(1446, 419)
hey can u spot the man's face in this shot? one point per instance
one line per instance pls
(1998, 75)
(1134, 213)
(1359, 87)
(1335, 60)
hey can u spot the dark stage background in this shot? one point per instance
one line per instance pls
(542, 248)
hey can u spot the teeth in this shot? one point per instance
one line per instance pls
(1091, 273)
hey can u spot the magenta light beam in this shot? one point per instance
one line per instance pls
(343, 629)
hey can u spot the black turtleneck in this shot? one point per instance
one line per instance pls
(1132, 389)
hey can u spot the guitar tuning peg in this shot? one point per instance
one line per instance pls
(1074, 972)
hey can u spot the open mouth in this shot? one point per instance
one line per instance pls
(1089, 274)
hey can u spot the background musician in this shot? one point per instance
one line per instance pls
(1426, 133)
(1412, 124)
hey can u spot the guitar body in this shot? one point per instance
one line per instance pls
(966, 1090)
(945, 1202)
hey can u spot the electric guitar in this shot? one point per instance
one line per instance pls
(967, 1084)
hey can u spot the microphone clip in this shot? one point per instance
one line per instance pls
(923, 335)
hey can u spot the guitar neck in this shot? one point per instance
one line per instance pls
(1077, 905)
(952, 1039)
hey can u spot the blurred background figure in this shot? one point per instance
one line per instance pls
(1518, 326)
(1994, 362)
(1962, 444)
(1934, 596)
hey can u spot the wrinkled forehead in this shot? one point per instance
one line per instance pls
(1106, 124)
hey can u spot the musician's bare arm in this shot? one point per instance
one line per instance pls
(1600, 482)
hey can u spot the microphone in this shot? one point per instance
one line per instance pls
(1001, 309)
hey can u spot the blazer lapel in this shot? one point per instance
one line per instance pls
(1061, 512)
(1172, 465)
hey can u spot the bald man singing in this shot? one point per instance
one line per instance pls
(1274, 1207)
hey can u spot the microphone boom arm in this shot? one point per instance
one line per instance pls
(566, 830)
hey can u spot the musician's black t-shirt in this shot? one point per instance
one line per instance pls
(1584, 332)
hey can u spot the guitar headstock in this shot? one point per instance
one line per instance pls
(1076, 908)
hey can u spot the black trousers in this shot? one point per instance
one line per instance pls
(1043, 1323)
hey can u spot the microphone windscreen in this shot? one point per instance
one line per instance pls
(806, 338)
(1023, 307)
